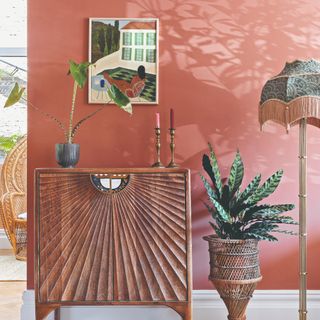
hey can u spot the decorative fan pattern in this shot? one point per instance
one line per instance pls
(125, 246)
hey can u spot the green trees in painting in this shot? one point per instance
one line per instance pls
(105, 39)
(102, 40)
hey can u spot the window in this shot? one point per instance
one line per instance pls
(151, 38)
(138, 39)
(127, 38)
(126, 53)
(138, 55)
(151, 55)
(13, 67)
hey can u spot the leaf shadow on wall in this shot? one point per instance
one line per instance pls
(215, 57)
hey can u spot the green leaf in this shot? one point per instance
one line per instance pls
(214, 215)
(283, 207)
(250, 189)
(208, 168)
(267, 188)
(265, 210)
(120, 99)
(266, 236)
(216, 229)
(225, 198)
(215, 170)
(249, 211)
(14, 96)
(79, 72)
(292, 233)
(278, 219)
(260, 227)
(211, 193)
(223, 214)
(236, 174)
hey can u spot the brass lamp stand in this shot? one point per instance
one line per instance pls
(303, 218)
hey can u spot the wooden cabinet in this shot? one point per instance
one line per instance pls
(112, 237)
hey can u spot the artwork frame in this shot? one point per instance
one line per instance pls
(124, 52)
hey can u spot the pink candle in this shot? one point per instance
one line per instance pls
(157, 120)
(171, 119)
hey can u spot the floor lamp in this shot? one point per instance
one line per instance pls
(290, 98)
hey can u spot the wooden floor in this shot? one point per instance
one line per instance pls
(10, 297)
(6, 252)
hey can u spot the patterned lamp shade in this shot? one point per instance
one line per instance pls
(292, 95)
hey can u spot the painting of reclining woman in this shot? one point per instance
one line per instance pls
(123, 53)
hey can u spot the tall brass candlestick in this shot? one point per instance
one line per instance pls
(172, 164)
(158, 162)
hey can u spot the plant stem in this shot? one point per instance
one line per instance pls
(75, 87)
(49, 115)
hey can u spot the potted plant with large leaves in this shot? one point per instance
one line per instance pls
(67, 153)
(239, 223)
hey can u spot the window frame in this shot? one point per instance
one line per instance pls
(13, 52)
(139, 36)
(152, 53)
(124, 53)
(137, 52)
(151, 39)
(127, 38)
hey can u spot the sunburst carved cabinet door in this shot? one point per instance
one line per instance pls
(113, 236)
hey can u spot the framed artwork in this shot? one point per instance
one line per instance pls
(124, 52)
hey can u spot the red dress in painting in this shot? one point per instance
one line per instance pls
(130, 89)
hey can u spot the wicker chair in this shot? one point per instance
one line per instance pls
(13, 186)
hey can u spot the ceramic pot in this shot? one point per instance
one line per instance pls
(234, 271)
(67, 154)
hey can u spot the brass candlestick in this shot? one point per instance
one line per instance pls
(172, 164)
(158, 163)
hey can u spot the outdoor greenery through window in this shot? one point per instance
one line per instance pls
(13, 68)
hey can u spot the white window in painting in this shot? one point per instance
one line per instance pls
(126, 53)
(138, 55)
(138, 38)
(151, 39)
(127, 38)
(151, 55)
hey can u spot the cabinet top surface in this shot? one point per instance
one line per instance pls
(111, 170)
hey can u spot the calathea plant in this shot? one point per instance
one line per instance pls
(79, 73)
(236, 214)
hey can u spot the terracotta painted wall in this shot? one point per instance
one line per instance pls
(214, 58)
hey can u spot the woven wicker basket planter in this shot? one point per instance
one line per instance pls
(234, 271)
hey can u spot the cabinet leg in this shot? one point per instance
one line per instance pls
(185, 311)
(42, 311)
(57, 314)
(188, 313)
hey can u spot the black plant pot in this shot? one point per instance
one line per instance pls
(67, 154)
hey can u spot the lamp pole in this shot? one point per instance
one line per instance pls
(302, 218)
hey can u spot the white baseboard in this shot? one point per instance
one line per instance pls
(4, 242)
(207, 305)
